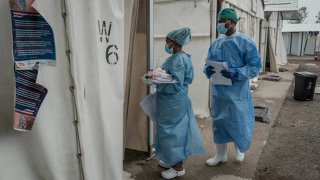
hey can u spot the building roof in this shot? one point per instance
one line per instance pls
(281, 5)
(301, 27)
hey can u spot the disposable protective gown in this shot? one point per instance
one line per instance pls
(232, 108)
(178, 135)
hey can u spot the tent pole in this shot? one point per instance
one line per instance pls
(290, 43)
(72, 89)
(213, 18)
(150, 63)
(301, 44)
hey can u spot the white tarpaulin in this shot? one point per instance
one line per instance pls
(170, 15)
(49, 151)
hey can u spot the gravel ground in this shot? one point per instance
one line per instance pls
(293, 147)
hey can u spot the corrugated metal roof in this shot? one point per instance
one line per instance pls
(301, 27)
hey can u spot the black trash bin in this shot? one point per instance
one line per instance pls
(305, 83)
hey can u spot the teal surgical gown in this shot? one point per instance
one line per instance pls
(178, 135)
(232, 108)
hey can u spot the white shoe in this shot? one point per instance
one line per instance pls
(216, 160)
(221, 155)
(172, 173)
(239, 157)
(162, 164)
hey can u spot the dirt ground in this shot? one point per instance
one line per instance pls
(293, 147)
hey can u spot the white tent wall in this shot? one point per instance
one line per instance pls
(263, 43)
(296, 47)
(318, 45)
(277, 52)
(300, 43)
(287, 41)
(170, 15)
(309, 45)
(49, 151)
(99, 85)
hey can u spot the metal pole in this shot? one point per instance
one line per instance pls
(150, 63)
(290, 43)
(301, 44)
(213, 20)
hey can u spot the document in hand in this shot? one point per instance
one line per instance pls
(217, 77)
(149, 105)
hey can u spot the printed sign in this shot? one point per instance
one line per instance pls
(33, 39)
(29, 97)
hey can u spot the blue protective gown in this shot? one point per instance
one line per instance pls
(178, 135)
(232, 108)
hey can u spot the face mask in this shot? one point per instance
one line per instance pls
(221, 27)
(168, 50)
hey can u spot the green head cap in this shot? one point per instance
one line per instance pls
(228, 13)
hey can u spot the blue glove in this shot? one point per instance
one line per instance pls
(209, 71)
(230, 73)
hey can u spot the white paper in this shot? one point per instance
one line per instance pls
(149, 105)
(217, 77)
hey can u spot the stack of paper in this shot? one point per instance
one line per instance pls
(157, 76)
(217, 77)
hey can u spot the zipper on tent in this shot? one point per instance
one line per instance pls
(72, 90)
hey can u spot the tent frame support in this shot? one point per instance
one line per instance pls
(150, 64)
(72, 90)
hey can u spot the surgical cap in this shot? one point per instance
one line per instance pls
(228, 13)
(180, 36)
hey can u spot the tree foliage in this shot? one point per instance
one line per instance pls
(318, 17)
(302, 15)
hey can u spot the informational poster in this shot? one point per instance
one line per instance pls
(33, 39)
(33, 45)
(29, 97)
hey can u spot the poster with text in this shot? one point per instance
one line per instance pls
(33, 38)
(29, 97)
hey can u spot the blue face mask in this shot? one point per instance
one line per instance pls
(221, 27)
(168, 50)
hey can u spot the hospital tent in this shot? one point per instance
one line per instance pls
(78, 132)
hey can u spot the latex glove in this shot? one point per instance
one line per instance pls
(230, 73)
(209, 70)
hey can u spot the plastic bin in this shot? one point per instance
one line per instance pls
(305, 83)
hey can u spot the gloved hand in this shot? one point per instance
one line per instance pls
(230, 73)
(209, 71)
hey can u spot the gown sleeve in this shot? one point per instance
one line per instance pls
(253, 63)
(177, 71)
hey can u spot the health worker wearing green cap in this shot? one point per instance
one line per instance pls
(178, 135)
(232, 106)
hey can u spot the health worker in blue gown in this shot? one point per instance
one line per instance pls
(178, 135)
(232, 106)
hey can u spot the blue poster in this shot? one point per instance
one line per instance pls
(29, 97)
(33, 40)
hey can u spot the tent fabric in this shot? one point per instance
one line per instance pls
(174, 14)
(253, 7)
(49, 150)
(301, 28)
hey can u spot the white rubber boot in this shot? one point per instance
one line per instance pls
(221, 155)
(239, 155)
